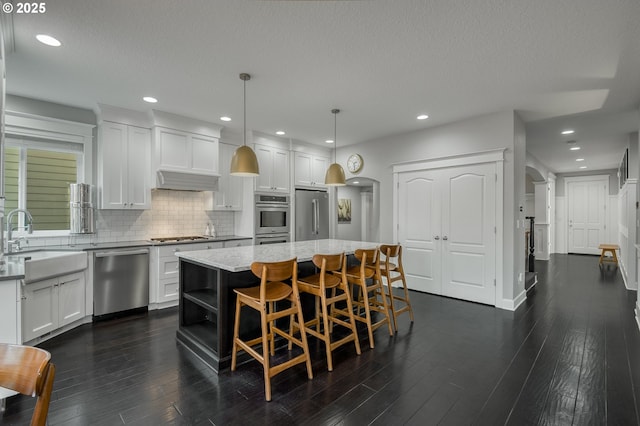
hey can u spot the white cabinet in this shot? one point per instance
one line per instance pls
(180, 151)
(10, 312)
(274, 169)
(164, 272)
(124, 166)
(229, 194)
(51, 304)
(310, 170)
(238, 243)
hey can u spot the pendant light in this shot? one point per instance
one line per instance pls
(244, 161)
(335, 172)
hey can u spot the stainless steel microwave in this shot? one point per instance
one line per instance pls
(272, 215)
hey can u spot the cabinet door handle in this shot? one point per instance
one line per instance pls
(436, 237)
(23, 297)
(445, 238)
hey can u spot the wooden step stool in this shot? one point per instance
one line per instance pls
(611, 248)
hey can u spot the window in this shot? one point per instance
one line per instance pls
(37, 178)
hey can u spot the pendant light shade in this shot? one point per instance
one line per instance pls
(335, 172)
(244, 161)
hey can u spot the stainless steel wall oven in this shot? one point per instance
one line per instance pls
(272, 214)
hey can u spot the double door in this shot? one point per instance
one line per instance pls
(447, 226)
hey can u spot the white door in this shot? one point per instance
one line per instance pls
(419, 230)
(468, 233)
(586, 200)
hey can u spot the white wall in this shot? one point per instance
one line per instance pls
(351, 231)
(477, 134)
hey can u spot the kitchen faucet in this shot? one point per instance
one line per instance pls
(10, 229)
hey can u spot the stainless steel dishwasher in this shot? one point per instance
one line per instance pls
(120, 280)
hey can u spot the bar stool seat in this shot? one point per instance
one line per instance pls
(326, 313)
(29, 371)
(263, 298)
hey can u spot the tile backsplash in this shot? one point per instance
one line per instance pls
(173, 213)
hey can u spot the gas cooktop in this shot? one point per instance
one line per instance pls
(187, 238)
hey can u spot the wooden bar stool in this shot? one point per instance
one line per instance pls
(336, 284)
(394, 272)
(608, 248)
(29, 371)
(371, 296)
(263, 299)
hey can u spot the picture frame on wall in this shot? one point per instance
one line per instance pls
(623, 169)
(344, 210)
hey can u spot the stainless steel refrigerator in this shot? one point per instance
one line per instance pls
(312, 215)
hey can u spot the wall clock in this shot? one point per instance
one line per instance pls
(354, 163)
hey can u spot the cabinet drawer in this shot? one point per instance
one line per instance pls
(168, 267)
(238, 243)
(168, 290)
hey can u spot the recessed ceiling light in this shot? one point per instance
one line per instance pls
(150, 99)
(568, 132)
(355, 183)
(329, 141)
(583, 167)
(579, 159)
(574, 148)
(280, 132)
(48, 40)
(225, 118)
(422, 117)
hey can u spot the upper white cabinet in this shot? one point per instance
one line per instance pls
(180, 151)
(124, 166)
(274, 169)
(229, 194)
(309, 170)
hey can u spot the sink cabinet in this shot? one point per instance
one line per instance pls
(51, 304)
(124, 166)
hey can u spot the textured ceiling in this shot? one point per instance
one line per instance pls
(381, 62)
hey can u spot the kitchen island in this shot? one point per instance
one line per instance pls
(207, 301)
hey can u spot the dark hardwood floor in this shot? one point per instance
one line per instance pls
(569, 355)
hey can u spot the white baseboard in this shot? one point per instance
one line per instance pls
(513, 304)
(59, 331)
(163, 305)
(627, 284)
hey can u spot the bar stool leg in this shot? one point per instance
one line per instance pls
(236, 335)
(265, 354)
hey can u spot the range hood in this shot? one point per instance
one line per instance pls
(185, 181)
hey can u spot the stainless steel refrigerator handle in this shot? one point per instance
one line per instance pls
(314, 224)
(121, 253)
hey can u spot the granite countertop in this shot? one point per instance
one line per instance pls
(14, 265)
(13, 269)
(237, 259)
(139, 243)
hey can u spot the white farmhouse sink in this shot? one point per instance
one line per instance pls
(39, 265)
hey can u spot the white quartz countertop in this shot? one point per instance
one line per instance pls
(237, 259)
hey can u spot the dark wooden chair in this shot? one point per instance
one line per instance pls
(370, 292)
(263, 299)
(29, 371)
(391, 269)
(330, 288)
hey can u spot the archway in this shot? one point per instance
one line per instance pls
(362, 196)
